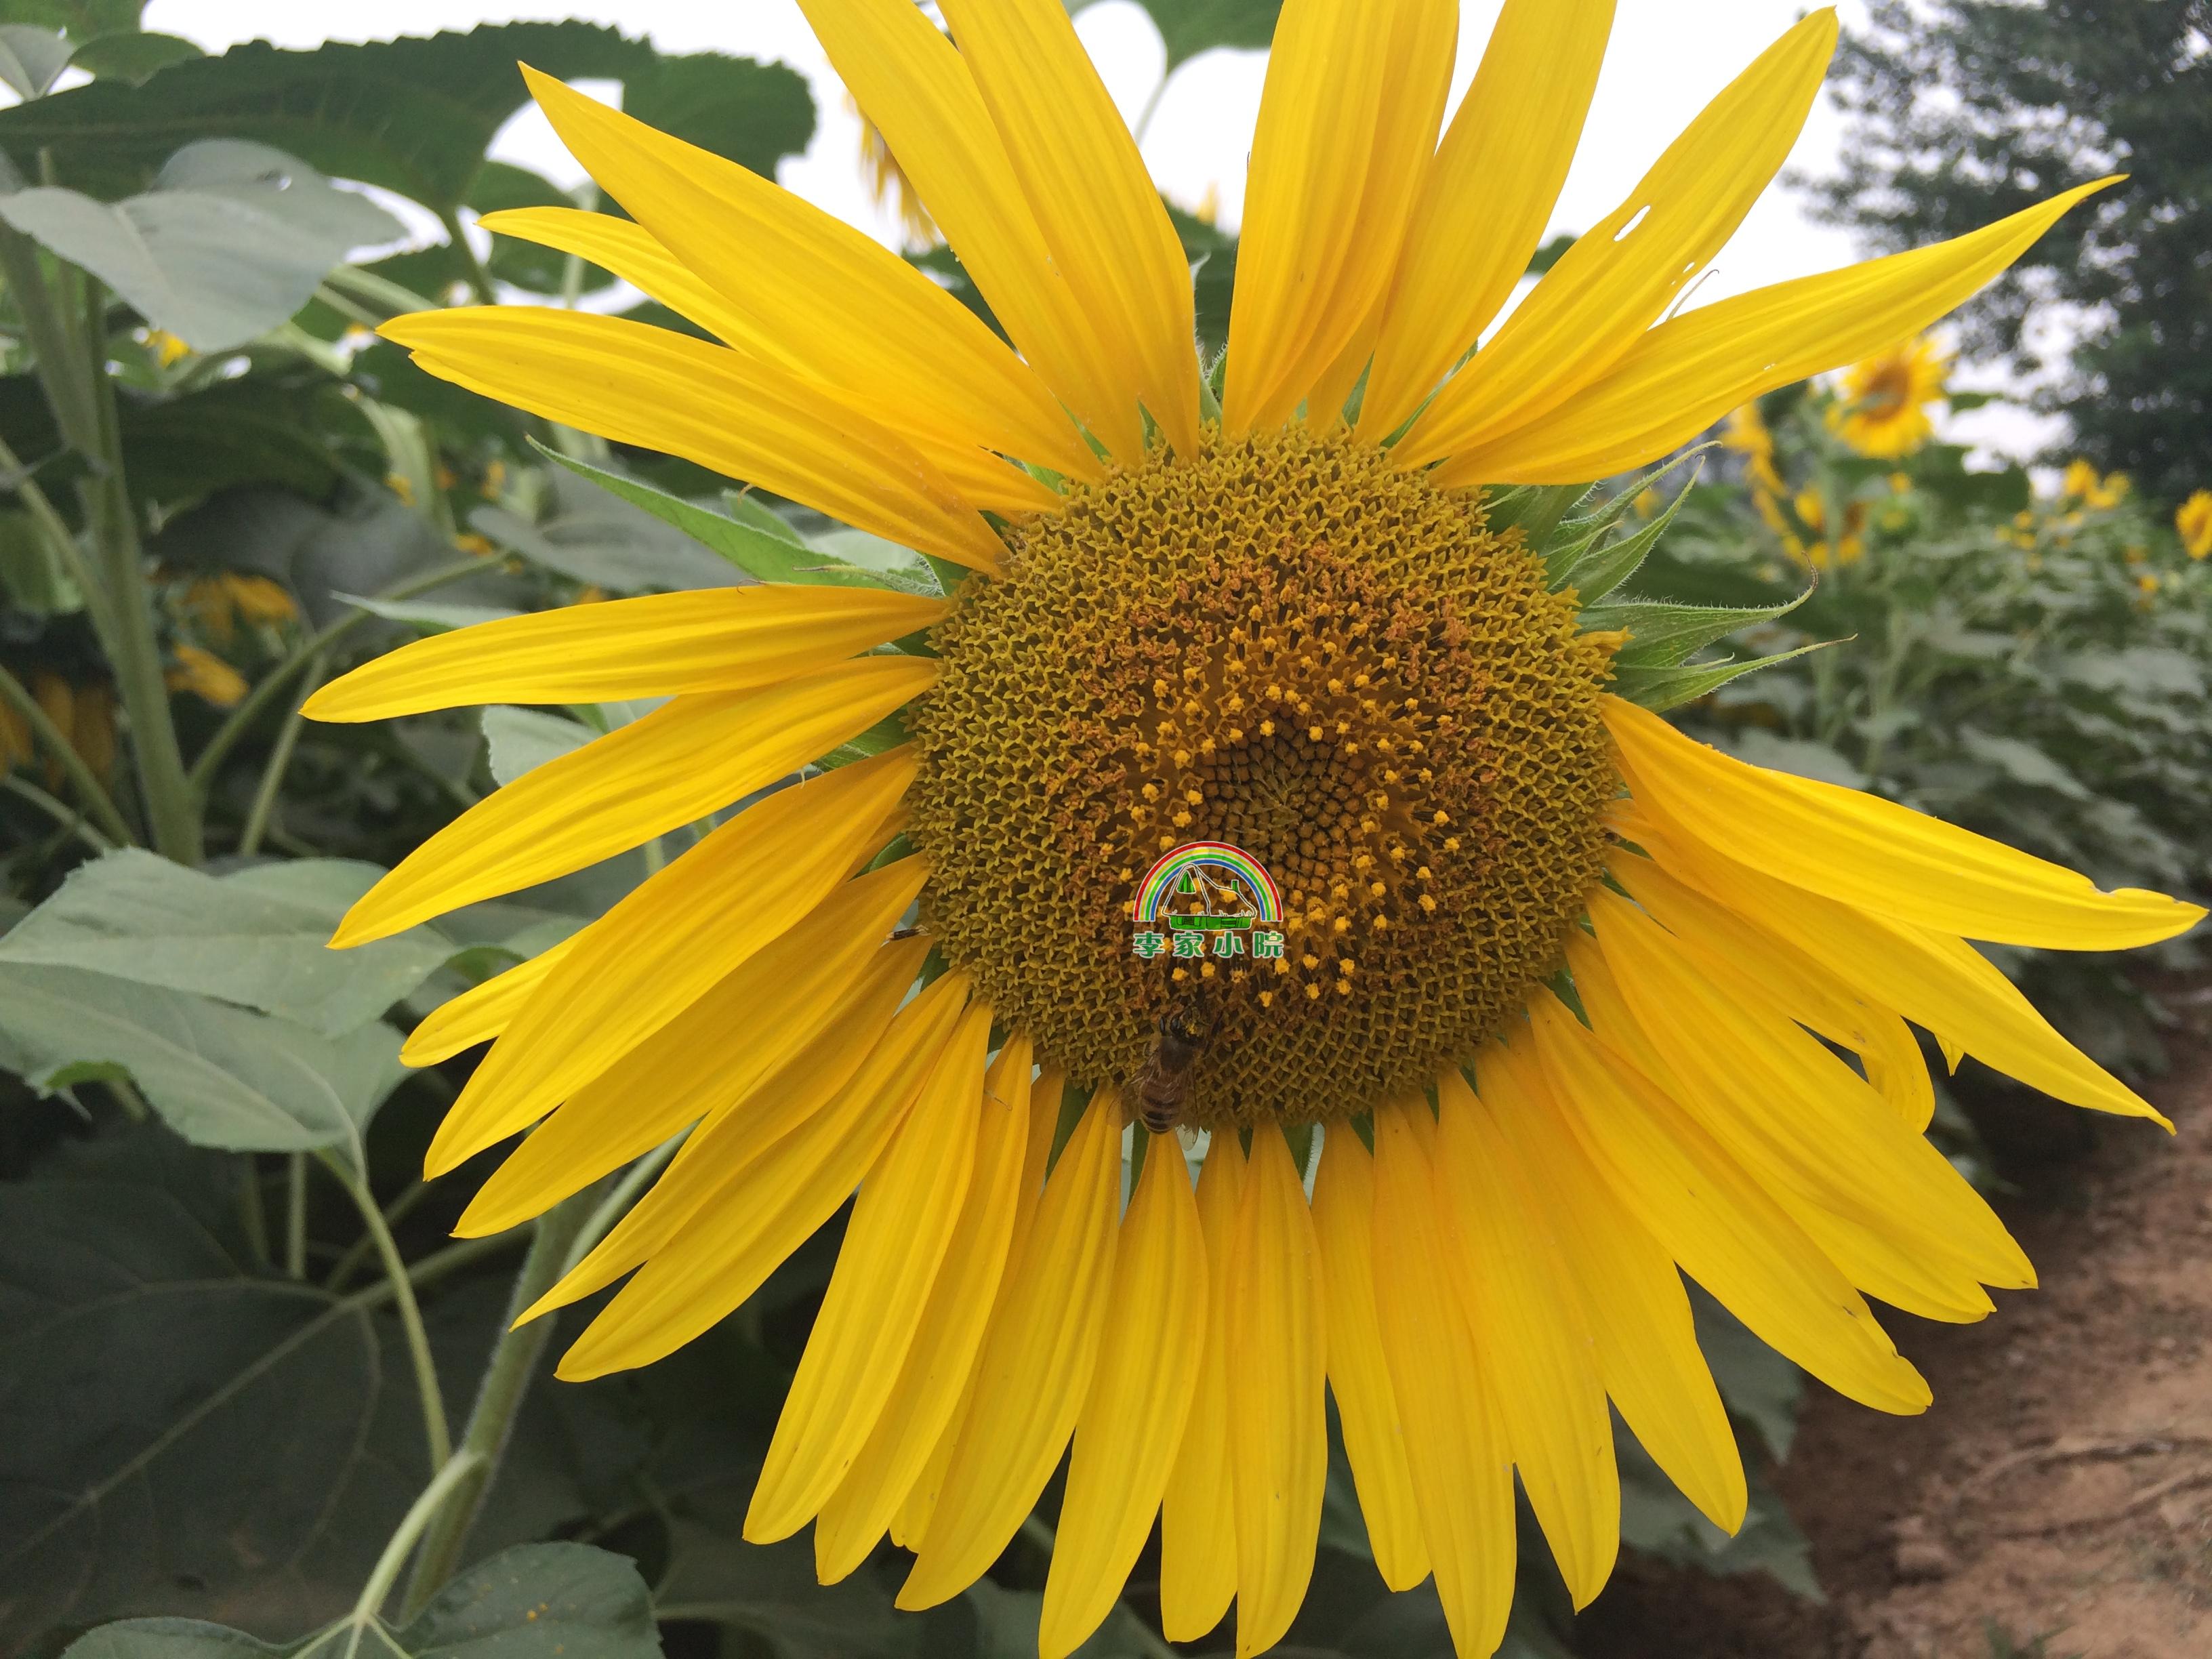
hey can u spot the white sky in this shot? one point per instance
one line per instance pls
(1666, 60)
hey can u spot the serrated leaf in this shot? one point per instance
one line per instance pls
(1575, 554)
(1660, 689)
(520, 740)
(131, 56)
(1662, 634)
(219, 1076)
(258, 938)
(767, 556)
(231, 241)
(1533, 509)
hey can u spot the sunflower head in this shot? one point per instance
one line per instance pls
(1883, 409)
(2193, 523)
(1286, 644)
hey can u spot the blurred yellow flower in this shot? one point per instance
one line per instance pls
(889, 186)
(2147, 583)
(166, 347)
(470, 541)
(401, 486)
(84, 715)
(495, 481)
(207, 675)
(1900, 482)
(1748, 435)
(217, 604)
(1884, 406)
(1646, 503)
(2081, 483)
(2194, 522)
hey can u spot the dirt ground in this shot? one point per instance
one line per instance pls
(2061, 1487)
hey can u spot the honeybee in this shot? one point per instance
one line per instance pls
(1184, 1032)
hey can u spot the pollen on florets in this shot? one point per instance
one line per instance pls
(1288, 644)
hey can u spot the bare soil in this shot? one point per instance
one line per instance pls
(2061, 1487)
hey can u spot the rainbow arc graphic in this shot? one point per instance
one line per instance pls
(1201, 869)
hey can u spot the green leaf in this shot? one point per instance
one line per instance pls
(753, 113)
(540, 1601)
(593, 536)
(1189, 27)
(30, 58)
(413, 115)
(219, 1076)
(427, 616)
(260, 937)
(1659, 1520)
(1660, 689)
(522, 739)
(1759, 1385)
(232, 240)
(209, 1440)
(130, 56)
(1662, 634)
(767, 555)
(81, 20)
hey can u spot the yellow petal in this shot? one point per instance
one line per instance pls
(1937, 980)
(1861, 850)
(1373, 1431)
(1488, 198)
(919, 92)
(911, 1524)
(938, 1365)
(1639, 1321)
(1098, 210)
(1789, 1109)
(1198, 1512)
(710, 1166)
(1329, 194)
(1759, 968)
(1617, 278)
(830, 298)
(670, 940)
(630, 252)
(715, 1054)
(1682, 376)
(1533, 1341)
(729, 1249)
(481, 1013)
(1278, 1436)
(1036, 1366)
(664, 645)
(1720, 1223)
(1462, 1473)
(730, 411)
(1139, 1401)
(902, 1224)
(684, 760)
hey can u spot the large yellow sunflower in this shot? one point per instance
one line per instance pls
(1562, 992)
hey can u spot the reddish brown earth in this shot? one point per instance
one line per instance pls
(2060, 1487)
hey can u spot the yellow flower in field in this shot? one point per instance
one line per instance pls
(2193, 522)
(889, 186)
(217, 604)
(1747, 433)
(168, 349)
(1316, 639)
(205, 675)
(2081, 483)
(1883, 409)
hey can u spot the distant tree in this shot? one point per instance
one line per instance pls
(1961, 111)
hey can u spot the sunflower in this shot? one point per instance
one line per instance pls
(2081, 483)
(1555, 1002)
(1883, 410)
(2193, 522)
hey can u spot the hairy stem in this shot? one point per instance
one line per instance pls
(499, 1395)
(436, 1432)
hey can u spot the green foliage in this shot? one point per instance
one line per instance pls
(1189, 27)
(1967, 110)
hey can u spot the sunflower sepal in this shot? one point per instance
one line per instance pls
(1594, 566)
(763, 556)
(1663, 634)
(1661, 687)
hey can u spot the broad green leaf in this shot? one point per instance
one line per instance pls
(30, 58)
(1758, 1385)
(219, 1076)
(593, 536)
(209, 1440)
(1189, 27)
(260, 937)
(130, 56)
(231, 241)
(1659, 1520)
(498, 187)
(520, 740)
(1662, 634)
(771, 1590)
(81, 20)
(743, 539)
(754, 113)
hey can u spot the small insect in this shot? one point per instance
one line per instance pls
(1184, 1032)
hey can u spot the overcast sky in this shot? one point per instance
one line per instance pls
(1666, 60)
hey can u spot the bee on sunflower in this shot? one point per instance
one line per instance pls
(1558, 986)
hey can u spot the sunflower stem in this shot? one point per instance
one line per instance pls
(96, 801)
(506, 1380)
(436, 1435)
(70, 819)
(280, 758)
